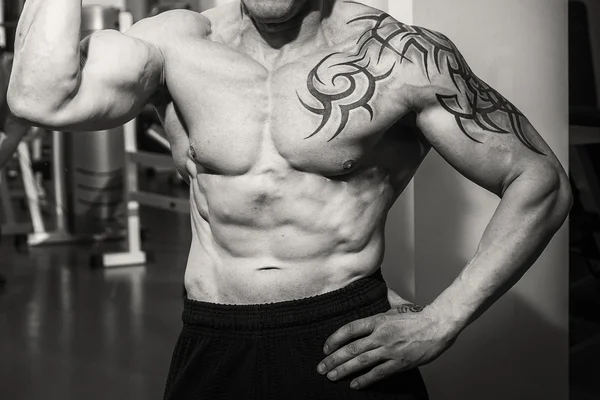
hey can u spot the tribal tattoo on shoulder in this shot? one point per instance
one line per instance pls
(333, 83)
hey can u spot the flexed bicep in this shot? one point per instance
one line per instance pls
(119, 75)
(100, 82)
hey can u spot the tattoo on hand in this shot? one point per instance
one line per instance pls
(409, 308)
(474, 102)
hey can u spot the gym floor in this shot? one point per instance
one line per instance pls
(68, 331)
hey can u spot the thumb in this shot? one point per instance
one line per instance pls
(395, 299)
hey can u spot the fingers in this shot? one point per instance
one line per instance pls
(350, 351)
(348, 332)
(376, 374)
(357, 364)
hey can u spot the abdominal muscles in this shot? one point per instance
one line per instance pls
(277, 235)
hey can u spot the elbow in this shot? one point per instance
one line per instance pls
(27, 111)
(565, 196)
(17, 103)
(32, 107)
(561, 196)
(38, 102)
(547, 190)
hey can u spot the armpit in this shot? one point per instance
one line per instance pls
(161, 96)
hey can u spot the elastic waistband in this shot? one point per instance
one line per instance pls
(367, 292)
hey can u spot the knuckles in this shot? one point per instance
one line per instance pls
(330, 361)
(363, 358)
(350, 328)
(386, 332)
(379, 372)
(353, 349)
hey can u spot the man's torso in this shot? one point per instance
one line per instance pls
(294, 158)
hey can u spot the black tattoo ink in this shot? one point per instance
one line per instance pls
(406, 308)
(372, 35)
(483, 103)
(327, 100)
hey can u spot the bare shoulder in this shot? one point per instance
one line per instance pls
(223, 13)
(424, 56)
(224, 21)
(163, 28)
(354, 18)
(350, 8)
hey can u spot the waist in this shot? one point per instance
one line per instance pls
(213, 275)
(361, 296)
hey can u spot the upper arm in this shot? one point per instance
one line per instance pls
(121, 72)
(470, 124)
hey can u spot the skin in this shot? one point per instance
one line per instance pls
(292, 170)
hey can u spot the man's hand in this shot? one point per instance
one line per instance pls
(405, 337)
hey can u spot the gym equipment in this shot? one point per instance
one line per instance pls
(95, 160)
(10, 11)
(163, 6)
(102, 174)
(86, 199)
(134, 255)
(32, 193)
(60, 233)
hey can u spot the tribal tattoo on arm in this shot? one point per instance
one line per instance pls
(472, 101)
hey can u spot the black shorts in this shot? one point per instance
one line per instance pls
(271, 351)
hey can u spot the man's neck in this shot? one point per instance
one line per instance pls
(304, 27)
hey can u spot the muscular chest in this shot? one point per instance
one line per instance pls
(323, 113)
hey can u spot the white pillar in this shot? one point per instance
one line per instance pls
(519, 348)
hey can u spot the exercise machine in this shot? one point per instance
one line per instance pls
(134, 255)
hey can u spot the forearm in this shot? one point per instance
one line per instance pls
(531, 211)
(14, 132)
(8, 146)
(47, 54)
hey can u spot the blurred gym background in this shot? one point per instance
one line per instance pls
(74, 324)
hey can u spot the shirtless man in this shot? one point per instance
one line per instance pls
(298, 123)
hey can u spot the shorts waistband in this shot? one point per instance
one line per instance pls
(363, 293)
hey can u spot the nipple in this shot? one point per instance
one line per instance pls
(348, 165)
